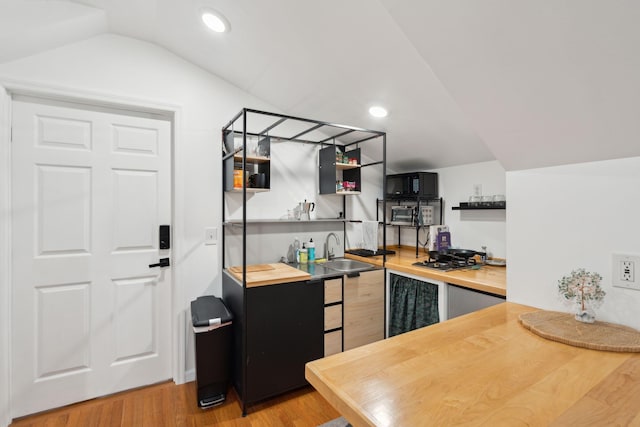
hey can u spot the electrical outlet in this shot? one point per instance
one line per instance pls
(626, 274)
(624, 271)
(210, 235)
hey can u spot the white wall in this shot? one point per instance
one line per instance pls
(474, 228)
(470, 229)
(127, 69)
(567, 217)
(5, 269)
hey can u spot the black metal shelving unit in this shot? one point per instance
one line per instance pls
(271, 127)
(419, 201)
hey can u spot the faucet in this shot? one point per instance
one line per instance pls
(327, 253)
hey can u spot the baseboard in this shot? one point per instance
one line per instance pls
(190, 375)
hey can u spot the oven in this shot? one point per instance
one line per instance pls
(402, 215)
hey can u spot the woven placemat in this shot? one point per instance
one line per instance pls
(564, 328)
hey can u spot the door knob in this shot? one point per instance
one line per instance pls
(164, 262)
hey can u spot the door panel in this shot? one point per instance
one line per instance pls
(66, 133)
(63, 308)
(135, 140)
(64, 208)
(135, 335)
(134, 201)
(89, 191)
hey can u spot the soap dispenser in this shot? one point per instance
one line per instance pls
(303, 254)
(296, 250)
(311, 251)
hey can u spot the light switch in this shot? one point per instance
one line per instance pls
(210, 235)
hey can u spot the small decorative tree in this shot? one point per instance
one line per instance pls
(583, 288)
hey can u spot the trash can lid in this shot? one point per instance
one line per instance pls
(209, 310)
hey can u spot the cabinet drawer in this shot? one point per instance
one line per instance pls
(332, 317)
(332, 343)
(332, 290)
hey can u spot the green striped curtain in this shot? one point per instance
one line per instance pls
(413, 304)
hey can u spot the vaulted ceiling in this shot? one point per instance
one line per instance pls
(527, 82)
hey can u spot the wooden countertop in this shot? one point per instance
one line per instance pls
(269, 274)
(488, 278)
(483, 368)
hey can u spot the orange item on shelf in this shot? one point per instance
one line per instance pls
(237, 178)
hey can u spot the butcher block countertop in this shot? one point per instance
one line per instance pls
(269, 274)
(488, 278)
(483, 368)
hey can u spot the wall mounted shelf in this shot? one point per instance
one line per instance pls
(251, 159)
(282, 221)
(344, 166)
(249, 190)
(466, 207)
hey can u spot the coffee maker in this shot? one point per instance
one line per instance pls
(305, 208)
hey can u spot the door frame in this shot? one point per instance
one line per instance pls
(170, 112)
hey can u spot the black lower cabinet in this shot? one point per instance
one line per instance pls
(285, 330)
(281, 330)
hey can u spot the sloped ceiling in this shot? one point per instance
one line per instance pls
(541, 82)
(28, 26)
(530, 83)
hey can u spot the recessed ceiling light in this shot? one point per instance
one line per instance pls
(215, 21)
(377, 111)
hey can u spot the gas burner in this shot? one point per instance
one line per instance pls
(455, 263)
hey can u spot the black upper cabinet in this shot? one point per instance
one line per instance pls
(257, 175)
(333, 172)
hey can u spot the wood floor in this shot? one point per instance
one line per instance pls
(171, 405)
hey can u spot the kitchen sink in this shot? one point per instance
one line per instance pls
(347, 265)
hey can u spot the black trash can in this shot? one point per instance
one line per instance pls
(212, 323)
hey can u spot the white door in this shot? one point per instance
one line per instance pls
(89, 190)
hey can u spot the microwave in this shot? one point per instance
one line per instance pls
(411, 185)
